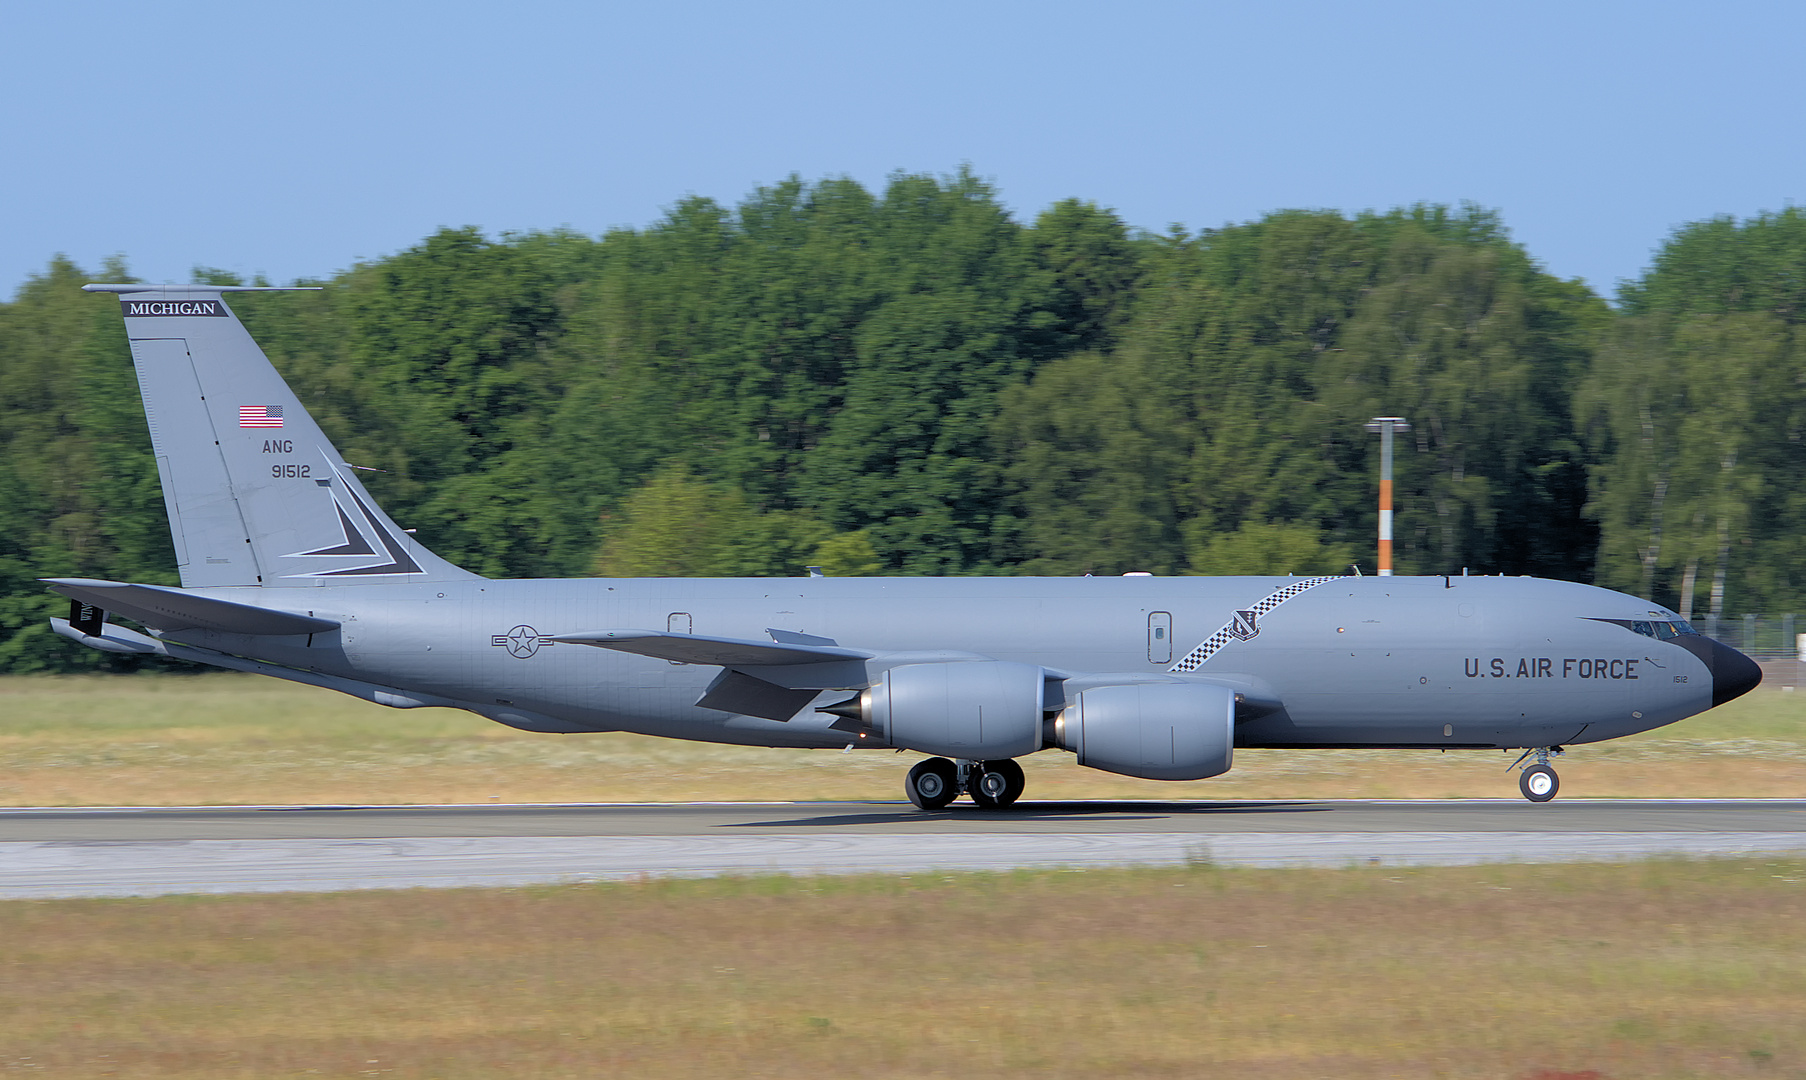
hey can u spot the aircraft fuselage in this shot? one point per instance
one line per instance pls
(1349, 662)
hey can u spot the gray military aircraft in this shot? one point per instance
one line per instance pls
(290, 569)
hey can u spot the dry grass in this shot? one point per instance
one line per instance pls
(1662, 969)
(221, 739)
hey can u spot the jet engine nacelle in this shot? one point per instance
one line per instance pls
(1160, 731)
(978, 709)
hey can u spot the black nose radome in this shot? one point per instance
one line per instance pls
(1733, 674)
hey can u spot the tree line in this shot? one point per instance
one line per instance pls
(912, 381)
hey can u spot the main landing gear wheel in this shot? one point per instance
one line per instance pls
(932, 783)
(1539, 783)
(997, 784)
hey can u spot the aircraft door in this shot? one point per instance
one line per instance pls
(1160, 637)
(678, 622)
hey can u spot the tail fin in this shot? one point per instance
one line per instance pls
(255, 493)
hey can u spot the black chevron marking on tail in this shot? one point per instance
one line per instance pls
(355, 541)
(400, 562)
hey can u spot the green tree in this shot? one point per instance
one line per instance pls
(677, 525)
(906, 455)
(1095, 451)
(1696, 410)
(1257, 352)
(847, 554)
(1722, 265)
(1095, 269)
(78, 486)
(1482, 353)
(912, 381)
(1264, 547)
(1702, 416)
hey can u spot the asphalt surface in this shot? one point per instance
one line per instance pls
(1203, 818)
(48, 853)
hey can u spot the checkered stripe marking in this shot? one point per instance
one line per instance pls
(1195, 659)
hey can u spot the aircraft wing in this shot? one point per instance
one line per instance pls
(700, 649)
(177, 609)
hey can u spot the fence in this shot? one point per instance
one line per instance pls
(1761, 637)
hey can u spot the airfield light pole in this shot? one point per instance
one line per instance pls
(1386, 425)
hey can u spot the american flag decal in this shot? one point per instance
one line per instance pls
(260, 416)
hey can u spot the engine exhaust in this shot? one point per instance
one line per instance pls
(854, 713)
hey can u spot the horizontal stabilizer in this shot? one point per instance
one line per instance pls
(697, 649)
(176, 609)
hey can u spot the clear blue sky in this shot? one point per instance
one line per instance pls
(295, 139)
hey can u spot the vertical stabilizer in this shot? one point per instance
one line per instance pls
(255, 493)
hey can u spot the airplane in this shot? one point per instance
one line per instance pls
(290, 569)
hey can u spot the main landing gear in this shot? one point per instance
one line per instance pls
(936, 781)
(1538, 782)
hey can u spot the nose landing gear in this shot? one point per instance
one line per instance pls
(1538, 782)
(993, 785)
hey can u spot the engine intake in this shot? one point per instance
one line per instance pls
(978, 709)
(1159, 731)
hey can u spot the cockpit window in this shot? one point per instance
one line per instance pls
(1661, 630)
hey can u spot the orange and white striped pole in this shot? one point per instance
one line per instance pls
(1386, 425)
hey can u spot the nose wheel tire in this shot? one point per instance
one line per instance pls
(1539, 783)
(932, 783)
(997, 784)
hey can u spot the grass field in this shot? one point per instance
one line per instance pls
(222, 739)
(1659, 969)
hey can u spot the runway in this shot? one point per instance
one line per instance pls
(149, 851)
